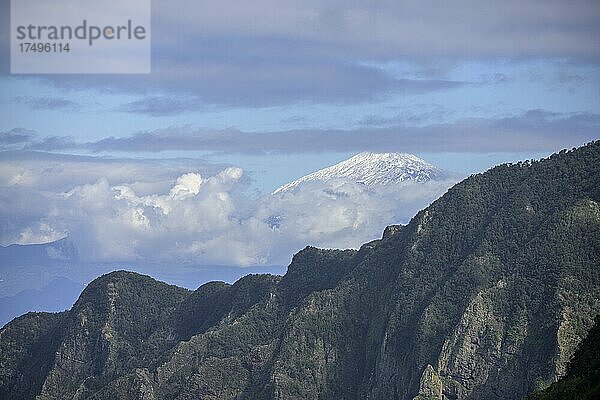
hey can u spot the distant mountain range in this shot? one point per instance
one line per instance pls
(32, 254)
(373, 169)
(486, 294)
(33, 266)
(48, 284)
(58, 294)
(50, 276)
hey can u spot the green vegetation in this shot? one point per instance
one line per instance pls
(486, 294)
(582, 381)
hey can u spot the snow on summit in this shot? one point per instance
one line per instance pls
(374, 169)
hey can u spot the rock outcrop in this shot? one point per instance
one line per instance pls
(486, 294)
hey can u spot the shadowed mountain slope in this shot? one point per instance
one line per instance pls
(486, 294)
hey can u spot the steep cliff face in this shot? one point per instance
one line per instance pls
(582, 381)
(111, 329)
(486, 294)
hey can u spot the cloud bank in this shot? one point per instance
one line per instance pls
(47, 103)
(196, 218)
(271, 52)
(533, 130)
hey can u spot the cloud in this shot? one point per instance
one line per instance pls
(496, 79)
(25, 139)
(193, 217)
(248, 83)
(15, 137)
(24, 212)
(42, 172)
(417, 114)
(534, 130)
(51, 143)
(271, 52)
(115, 223)
(343, 214)
(47, 103)
(160, 106)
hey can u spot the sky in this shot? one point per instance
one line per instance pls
(246, 96)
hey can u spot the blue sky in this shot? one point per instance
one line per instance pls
(495, 89)
(282, 88)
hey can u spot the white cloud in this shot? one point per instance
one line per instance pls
(57, 172)
(199, 218)
(40, 232)
(345, 214)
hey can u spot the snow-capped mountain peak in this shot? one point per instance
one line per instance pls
(373, 169)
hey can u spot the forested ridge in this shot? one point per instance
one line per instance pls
(485, 294)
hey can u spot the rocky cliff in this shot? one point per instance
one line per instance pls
(486, 294)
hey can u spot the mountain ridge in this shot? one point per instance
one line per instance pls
(485, 294)
(61, 250)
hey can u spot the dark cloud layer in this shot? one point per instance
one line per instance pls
(341, 86)
(47, 103)
(160, 106)
(534, 130)
(16, 136)
(269, 52)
